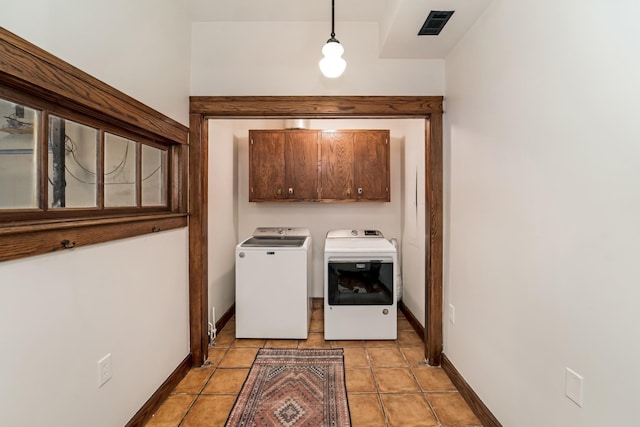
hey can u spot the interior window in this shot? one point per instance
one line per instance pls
(18, 156)
(72, 164)
(82, 166)
(120, 176)
(132, 174)
(154, 176)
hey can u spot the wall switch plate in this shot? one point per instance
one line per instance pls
(452, 314)
(574, 387)
(104, 370)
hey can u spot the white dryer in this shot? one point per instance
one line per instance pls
(273, 280)
(359, 286)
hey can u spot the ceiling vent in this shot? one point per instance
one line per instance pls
(435, 22)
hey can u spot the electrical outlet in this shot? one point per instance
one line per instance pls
(574, 387)
(104, 370)
(452, 314)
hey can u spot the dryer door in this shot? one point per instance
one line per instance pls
(360, 282)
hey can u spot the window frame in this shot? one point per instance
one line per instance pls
(36, 79)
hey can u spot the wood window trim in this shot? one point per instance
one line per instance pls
(203, 108)
(38, 75)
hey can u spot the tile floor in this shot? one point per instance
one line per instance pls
(387, 385)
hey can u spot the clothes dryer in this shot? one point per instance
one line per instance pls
(359, 286)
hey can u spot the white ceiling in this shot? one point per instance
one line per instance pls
(399, 20)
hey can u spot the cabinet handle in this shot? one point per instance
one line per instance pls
(67, 244)
(349, 191)
(290, 190)
(279, 191)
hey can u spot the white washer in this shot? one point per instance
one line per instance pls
(273, 280)
(359, 286)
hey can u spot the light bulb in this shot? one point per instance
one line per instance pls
(332, 65)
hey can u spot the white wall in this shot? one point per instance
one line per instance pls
(412, 251)
(223, 214)
(542, 209)
(232, 218)
(60, 313)
(258, 58)
(141, 48)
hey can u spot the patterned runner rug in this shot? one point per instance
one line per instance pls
(293, 388)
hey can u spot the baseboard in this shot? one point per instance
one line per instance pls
(225, 317)
(151, 406)
(413, 321)
(477, 406)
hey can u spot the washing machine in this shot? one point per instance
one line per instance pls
(273, 284)
(360, 290)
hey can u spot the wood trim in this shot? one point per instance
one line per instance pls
(433, 238)
(145, 413)
(224, 319)
(33, 70)
(198, 240)
(429, 107)
(477, 406)
(28, 240)
(179, 156)
(315, 106)
(413, 321)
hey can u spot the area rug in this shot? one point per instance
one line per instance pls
(293, 388)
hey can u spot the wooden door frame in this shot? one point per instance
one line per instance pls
(202, 108)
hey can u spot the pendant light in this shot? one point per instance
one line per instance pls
(332, 65)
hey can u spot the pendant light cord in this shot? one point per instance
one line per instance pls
(333, 33)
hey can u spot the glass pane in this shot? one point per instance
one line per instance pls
(154, 165)
(119, 171)
(72, 164)
(360, 283)
(18, 156)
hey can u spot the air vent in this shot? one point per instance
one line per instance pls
(435, 23)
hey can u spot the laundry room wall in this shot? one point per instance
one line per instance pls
(62, 312)
(281, 58)
(232, 217)
(542, 211)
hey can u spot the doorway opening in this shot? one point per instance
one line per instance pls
(246, 107)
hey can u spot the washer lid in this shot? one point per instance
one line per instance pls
(274, 242)
(355, 233)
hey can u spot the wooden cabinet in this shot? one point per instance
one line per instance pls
(353, 166)
(283, 165)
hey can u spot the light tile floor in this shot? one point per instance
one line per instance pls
(388, 384)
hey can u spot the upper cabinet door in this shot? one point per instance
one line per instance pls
(266, 166)
(301, 165)
(371, 165)
(336, 179)
(313, 165)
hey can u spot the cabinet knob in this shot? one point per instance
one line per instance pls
(360, 190)
(349, 191)
(290, 190)
(279, 191)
